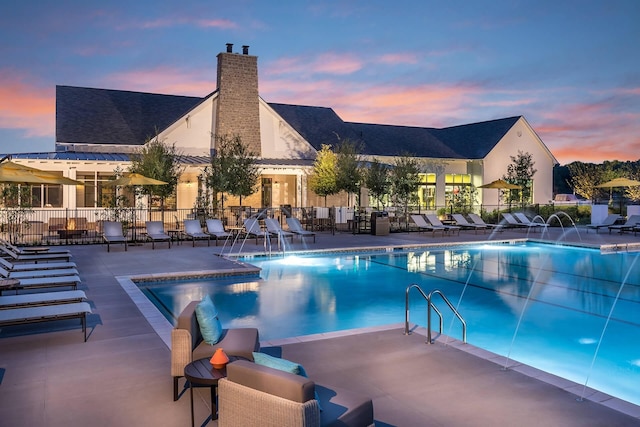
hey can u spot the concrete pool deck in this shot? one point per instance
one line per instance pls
(120, 376)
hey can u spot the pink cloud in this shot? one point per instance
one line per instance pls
(26, 106)
(325, 63)
(398, 58)
(171, 81)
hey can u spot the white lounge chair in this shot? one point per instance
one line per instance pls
(512, 221)
(423, 225)
(437, 223)
(215, 228)
(296, 227)
(37, 273)
(23, 315)
(37, 250)
(526, 221)
(30, 266)
(274, 228)
(71, 280)
(476, 219)
(461, 221)
(26, 257)
(632, 222)
(112, 233)
(155, 233)
(252, 229)
(193, 230)
(611, 219)
(41, 298)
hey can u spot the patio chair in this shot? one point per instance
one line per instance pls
(193, 230)
(252, 229)
(512, 221)
(273, 227)
(609, 220)
(40, 250)
(68, 280)
(46, 313)
(15, 257)
(629, 225)
(526, 221)
(461, 221)
(41, 298)
(296, 227)
(155, 233)
(27, 274)
(477, 219)
(215, 228)
(423, 225)
(437, 223)
(112, 233)
(45, 266)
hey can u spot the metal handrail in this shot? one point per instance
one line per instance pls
(431, 306)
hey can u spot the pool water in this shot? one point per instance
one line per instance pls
(551, 307)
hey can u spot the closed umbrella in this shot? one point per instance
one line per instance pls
(501, 184)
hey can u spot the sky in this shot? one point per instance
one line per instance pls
(570, 67)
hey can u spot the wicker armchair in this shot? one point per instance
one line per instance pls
(187, 344)
(257, 395)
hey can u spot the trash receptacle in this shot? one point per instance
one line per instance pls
(380, 223)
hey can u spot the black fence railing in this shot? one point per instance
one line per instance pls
(84, 225)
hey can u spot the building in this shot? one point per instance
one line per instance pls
(97, 130)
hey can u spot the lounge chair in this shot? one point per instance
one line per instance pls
(423, 225)
(193, 230)
(24, 315)
(215, 228)
(512, 221)
(437, 223)
(41, 298)
(296, 227)
(40, 250)
(526, 221)
(46, 257)
(70, 280)
(477, 219)
(273, 227)
(155, 233)
(112, 233)
(8, 274)
(609, 220)
(30, 267)
(461, 221)
(629, 225)
(187, 343)
(252, 229)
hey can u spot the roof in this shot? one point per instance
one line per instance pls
(103, 116)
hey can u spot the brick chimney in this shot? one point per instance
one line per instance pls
(238, 109)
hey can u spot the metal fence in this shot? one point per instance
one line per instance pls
(84, 225)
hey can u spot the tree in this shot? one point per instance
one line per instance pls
(520, 171)
(233, 169)
(348, 174)
(404, 179)
(323, 177)
(584, 178)
(159, 161)
(376, 179)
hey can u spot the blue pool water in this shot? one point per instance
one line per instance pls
(567, 304)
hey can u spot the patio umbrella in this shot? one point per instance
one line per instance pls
(500, 184)
(619, 182)
(135, 179)
(11, 172)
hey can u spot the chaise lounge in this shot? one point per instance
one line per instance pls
(47, 313)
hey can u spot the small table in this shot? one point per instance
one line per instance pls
(35, 249)
(175, 234)
(200, 373)
(8, 284)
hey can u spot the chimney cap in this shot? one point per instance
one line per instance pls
(229, 47)
(245, 49)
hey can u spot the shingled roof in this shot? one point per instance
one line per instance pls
(102, 116)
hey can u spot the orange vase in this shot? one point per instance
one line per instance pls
(219, 359)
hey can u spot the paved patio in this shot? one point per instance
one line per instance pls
(120, 376)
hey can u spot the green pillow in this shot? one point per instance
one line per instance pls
(282, 365)
(207, 315)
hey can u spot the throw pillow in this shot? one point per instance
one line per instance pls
(282, 365)
(207, 315)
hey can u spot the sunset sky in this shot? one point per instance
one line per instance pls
(571, 68)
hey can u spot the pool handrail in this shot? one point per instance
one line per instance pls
(430, 306)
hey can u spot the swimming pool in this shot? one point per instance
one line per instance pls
(543, 305)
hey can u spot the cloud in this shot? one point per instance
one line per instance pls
(26, 106)
(166, 80)
(325, 63)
